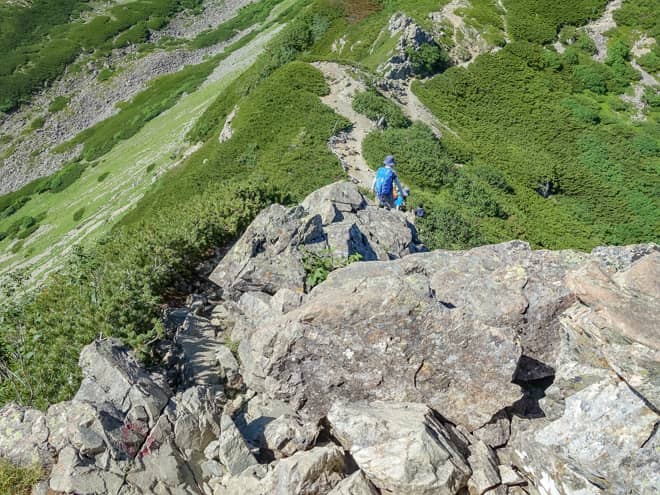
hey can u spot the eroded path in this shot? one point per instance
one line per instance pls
(348, 145)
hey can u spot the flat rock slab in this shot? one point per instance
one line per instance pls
(445, 328)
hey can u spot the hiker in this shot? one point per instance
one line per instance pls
(399, 199)
(384, 182)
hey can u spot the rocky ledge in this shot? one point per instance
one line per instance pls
(499, 370)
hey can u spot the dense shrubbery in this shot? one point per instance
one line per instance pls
(540, 20)
(114, 289)
(421, 159)
(297, 37)
(532, 115)
(376, 107)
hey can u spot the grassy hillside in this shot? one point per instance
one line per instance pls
(39, 41)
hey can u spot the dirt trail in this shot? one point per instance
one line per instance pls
(348, 145)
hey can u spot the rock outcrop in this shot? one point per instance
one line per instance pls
(335, 220)
(498, 371)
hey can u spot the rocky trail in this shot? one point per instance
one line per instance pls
(495, 371)
(344, 84)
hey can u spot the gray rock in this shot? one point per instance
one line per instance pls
(355, 484)
(402, 448)
(311, 472)
(509, 477)
(497, 431)
(113, 379)
(24, 436)
(337, 218)
(234, 453)
(599, 432)
(73, 474)
(288, 434)
(199, 344)
(229, 368)
(411, 330)
(484, 465)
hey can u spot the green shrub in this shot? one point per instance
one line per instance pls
(428, 59)
(319, 265)
(105, 74)
(116, 289)
(650, 61)
(103, 176)
(62, 179)
(493, 177)
(246, 17)
(376, 106)
(150, 168)
(78, 214)
(474, 197)
(16, 480)
(59, 103)
(540, 20)
(446, 228)
(37, 123)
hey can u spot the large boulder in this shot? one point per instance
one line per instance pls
(402, 448)
(313, 472)
(450, 329)
(24, 436)
(335, 220)
(598, 433)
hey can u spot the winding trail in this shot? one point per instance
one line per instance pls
(347, 146)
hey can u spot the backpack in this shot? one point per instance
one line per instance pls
(384, 180)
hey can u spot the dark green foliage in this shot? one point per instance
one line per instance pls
(447, 228)
(58, 104)
(540, 20)
(105, 74)
(651, 60)
(428, 59)
(280, 137)
(319, 265)
(375, 106)
(78, 214)
(583, 109)
(476, 198)
(103, 176)
(246, 17)
(294, 39)
(150, 168)
(37, 123)
(421, 159)
(527, 119)
(493, 177)
(63, 178)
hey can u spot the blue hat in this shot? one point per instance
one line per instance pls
(389, 160)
